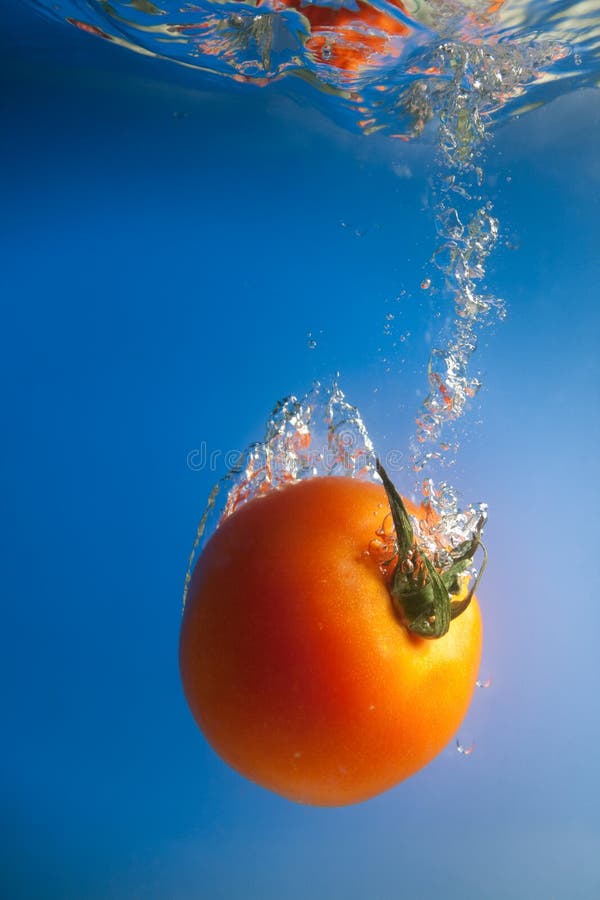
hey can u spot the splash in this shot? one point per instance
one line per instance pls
(374, 63)
(449, 526)
(314, 435)
(322, 434)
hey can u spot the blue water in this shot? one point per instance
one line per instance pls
(169, 242)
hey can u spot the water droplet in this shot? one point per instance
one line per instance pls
(483, 684)
(445, 256)
(449, 223)
(426, 284)
(466, 751)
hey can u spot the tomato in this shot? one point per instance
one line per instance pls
(354, 37)
(356, 47)
(294, 661)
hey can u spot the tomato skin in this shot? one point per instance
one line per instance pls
(294, 662)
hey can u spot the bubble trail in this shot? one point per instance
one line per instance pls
(480, 76)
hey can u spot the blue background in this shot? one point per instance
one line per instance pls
(160, 275)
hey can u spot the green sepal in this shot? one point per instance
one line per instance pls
(420, 593)
(405, 537)
(458, 606)
(451, 577)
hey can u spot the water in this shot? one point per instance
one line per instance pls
(347, 48)
(455, 65)
(172, 238)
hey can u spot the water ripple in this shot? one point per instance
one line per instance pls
(379, 59)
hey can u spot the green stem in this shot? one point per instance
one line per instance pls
(421, 594)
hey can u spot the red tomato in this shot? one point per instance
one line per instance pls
(363, 34)
(294, 662)
(355, 48)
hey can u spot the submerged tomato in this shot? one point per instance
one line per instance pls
(356, 36)
(294, 662)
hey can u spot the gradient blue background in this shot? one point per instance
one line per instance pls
(159, 278)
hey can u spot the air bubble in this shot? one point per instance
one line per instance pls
(449, 224)
(314, 435)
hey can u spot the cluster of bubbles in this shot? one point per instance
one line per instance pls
(442, 533)
(315, 435)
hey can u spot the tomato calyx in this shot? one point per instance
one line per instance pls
(421, 594)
